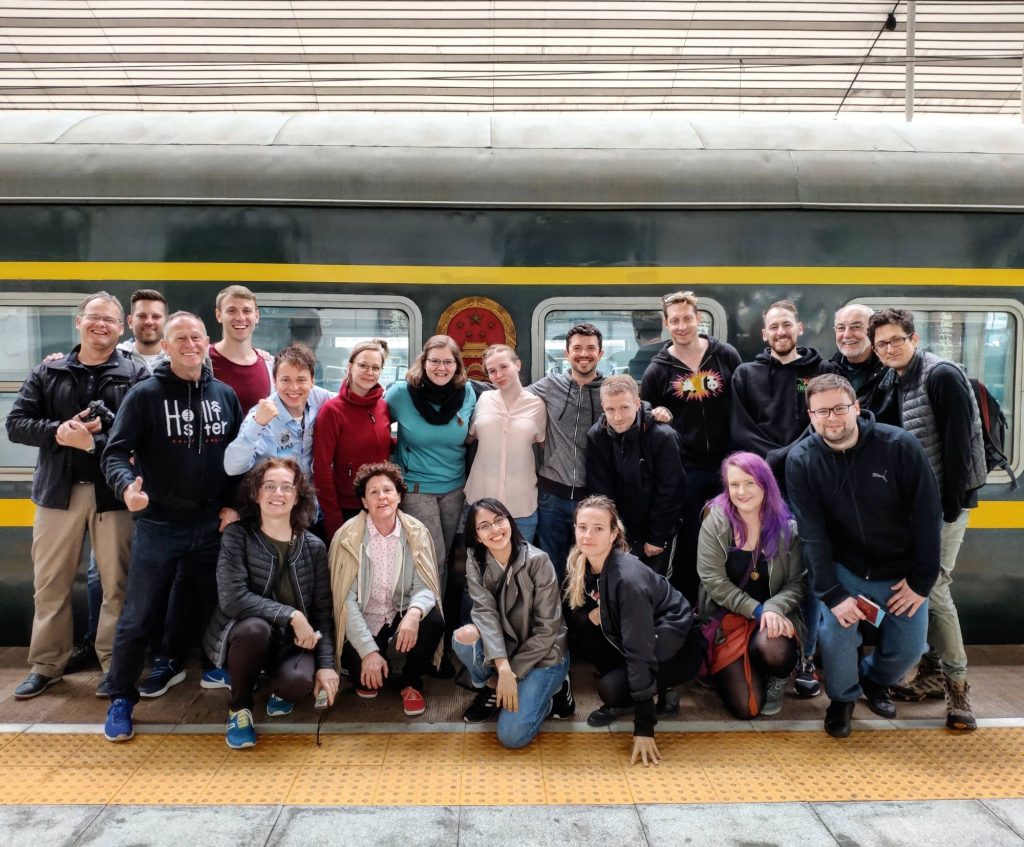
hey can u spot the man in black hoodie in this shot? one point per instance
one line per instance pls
(869, 516)
(635, 461)
(165, 459)
(690, 377)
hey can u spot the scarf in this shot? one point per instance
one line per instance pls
(437, 404)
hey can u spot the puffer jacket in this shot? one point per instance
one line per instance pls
(521, 621)
(786, 574)
(245, 589)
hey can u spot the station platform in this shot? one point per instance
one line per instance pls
(434, 780)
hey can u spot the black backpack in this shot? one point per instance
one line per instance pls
(993, 431)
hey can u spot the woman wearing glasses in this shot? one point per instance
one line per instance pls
(515, 648)
(752, 584)
(433, 409)
(352, 429)
(274, 608)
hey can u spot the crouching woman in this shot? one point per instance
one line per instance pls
(274, 599)
(515, 648)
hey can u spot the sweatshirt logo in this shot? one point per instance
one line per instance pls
(698, 386)
(881, 476)
(181, 422)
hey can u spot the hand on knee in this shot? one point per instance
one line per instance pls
(467, 634)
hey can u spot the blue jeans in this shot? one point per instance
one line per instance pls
(901, 641)
(94, 593)
(555, 534)
(157, 548)
(528, 526)
(810, 607)
(516, 729)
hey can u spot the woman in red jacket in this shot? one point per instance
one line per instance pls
(352, 429)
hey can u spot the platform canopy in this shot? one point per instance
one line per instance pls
(733, 57)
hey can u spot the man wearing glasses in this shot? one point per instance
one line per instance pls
(869, 519)
(937, 406)
(56, 410)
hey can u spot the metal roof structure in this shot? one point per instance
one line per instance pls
(731, 56)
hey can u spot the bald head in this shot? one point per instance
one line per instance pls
(851, 326)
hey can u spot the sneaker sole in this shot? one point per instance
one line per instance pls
(367, 695)
(414, 713)
(277, 713)
(244, 746)
(213, 686)
(118, 738)
(960, 726)
(805, 694)
(177, 679)
(53, 681)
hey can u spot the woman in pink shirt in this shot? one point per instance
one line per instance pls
(507, 423)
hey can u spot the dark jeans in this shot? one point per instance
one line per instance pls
(417, 661)
(157, 548)
(555, 535)
(253, 645)
(701, 485)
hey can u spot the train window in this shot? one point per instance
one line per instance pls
(331, 324)
(986, 336)
(29, 333)
(628, 324)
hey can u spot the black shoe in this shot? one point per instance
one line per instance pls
(606, 715)
(839, 718)
(33, 685)
(483, 708)
(668, 703)
(82, 658)
(103, 688)
(446, 670)
(563, 704)
(879, 699)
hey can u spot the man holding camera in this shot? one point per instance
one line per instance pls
(66, 408)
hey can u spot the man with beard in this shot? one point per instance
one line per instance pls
(856, 360)
(769, 410)
(146, 321)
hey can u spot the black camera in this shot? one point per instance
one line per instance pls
(98, 409)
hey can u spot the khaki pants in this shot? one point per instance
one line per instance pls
(57, 538)
(946, 643)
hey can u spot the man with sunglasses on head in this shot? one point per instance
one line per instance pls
(936, 405)
(869, 518)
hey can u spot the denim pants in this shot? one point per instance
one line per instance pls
(528, 526)
(441, 515)
(516, 729)
(901, 641)
(157, 548)
(555, 535)
(945, 641)
(810, 608)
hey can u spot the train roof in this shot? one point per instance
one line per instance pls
(568, 160)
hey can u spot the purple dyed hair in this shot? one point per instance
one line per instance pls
(775, 515)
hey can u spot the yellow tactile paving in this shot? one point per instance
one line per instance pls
(415, 769)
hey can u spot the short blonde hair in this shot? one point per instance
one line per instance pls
(239, 291)
(676, 298)
(619, 384)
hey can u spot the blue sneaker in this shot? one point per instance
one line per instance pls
(278, 708)
(165, 674)
(241, 732)
(216, 678)
(119, 721)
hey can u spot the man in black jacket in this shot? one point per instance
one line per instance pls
(635, 461)
(869, 518)
(165, 458)
(52, 413)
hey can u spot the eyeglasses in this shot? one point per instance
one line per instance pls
(894, 343)
(497, 523)
(838, 411)
(441, 363)
(283, 487)
(102, 319)
(851, 327)
(369, 369)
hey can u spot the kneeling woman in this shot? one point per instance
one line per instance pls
(274, 599)
(627, 621)
(385, 586)
(752, 582)
(515, 648)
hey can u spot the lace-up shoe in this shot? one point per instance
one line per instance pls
(241, 732)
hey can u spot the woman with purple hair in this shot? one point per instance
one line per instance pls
(752, 582)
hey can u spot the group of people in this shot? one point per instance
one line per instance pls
(720, 519)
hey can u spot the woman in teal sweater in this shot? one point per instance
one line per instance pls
(432, 408)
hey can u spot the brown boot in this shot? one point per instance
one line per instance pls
(928, 683)
(959, 715)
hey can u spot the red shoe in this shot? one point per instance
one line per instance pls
(413, 702)
(368, 693)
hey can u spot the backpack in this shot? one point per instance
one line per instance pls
(993, 431)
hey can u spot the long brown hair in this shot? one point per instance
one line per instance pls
(576, 564)
(249, 494)
(415, 375)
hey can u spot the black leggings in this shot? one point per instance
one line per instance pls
(252, 647)
(768, 657)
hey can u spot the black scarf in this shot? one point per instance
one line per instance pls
(430, 395)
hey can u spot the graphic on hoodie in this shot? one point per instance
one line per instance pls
(698, 385)
(179, 421)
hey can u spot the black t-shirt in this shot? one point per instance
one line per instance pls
(85, 467)
(283, 590)
(736, 566)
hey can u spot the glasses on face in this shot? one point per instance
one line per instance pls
(838, 411)
(892, 343)
(101, 319)
(850, 327)
(441, 363)
(368, 369)
(283, 487)
(486, 527)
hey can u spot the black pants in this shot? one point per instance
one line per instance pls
(701, 485)
(417, 661)
(253, 645)
(613, 686)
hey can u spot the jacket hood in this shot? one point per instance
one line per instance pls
(163, 371)
(807, 357)
(663, 357)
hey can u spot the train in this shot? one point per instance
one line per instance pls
(512, 227)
